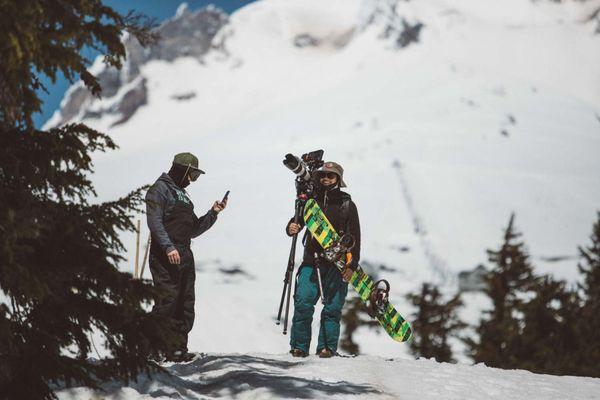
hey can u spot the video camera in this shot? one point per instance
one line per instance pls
(304, 168)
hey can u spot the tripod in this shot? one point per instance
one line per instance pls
(289, 272)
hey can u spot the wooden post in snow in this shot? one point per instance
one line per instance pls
(137, 250)
(145, 255)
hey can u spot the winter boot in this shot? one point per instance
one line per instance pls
(325, 353)
(298, 353)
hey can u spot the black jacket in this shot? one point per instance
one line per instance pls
(171, 217)
(331, 203)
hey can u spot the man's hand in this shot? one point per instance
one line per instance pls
(219, 206)
(174, 257)
(347, 274)
(293, 228)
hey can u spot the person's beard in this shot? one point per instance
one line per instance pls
(321, 189)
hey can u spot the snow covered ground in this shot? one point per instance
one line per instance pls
(263, 376)
(496, 109)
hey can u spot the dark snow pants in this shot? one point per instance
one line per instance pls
(177, 297)
(306, 296)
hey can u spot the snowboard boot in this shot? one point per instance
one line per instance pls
(325, 353)
(298, 353)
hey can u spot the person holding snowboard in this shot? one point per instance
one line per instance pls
(173, 223)
(343, 215)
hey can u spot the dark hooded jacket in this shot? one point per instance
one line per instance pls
(171, 217)
(347, 221)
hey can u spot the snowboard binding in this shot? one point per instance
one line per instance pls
(379, 298)
(338, 249)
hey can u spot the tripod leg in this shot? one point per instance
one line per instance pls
(289, 273)
(285, 284)
(287, 304)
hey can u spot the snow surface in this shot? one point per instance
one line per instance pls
(419, 133)
(261, 376)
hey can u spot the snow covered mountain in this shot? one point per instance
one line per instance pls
(446, 115)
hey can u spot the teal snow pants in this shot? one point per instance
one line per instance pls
(305, 298)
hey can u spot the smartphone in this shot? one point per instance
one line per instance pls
(225, 197)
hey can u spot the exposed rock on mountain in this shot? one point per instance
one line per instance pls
(131, 101)
(188, 34)
(396, 27)
(306, 40)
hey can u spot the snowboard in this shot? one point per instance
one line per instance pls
(321, 229)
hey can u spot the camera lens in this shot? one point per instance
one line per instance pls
(297, 166)
(291, 161)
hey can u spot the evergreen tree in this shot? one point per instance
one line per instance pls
(354, 316)
(548, 339)
(589, 321)
(507, 286)
(434, 322)
(59, 251)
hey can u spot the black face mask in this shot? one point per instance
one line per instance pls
(178, 174)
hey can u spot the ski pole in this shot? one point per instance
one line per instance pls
(318, 268)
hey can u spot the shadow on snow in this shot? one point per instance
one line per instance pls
(239, 374)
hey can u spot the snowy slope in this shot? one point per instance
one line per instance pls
(496, 109)
(261, 376)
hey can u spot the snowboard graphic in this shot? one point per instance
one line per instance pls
(380, 308)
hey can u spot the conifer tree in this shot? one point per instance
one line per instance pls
(589, 321)
(354, 316)
(434, 323)
(59, 250)
(548, 340)
(507, 286)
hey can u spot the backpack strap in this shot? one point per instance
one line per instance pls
(345, 209)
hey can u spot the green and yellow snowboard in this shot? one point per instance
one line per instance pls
(380, 308)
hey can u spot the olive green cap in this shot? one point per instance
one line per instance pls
(187, 160)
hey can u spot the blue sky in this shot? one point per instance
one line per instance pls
(160, 9)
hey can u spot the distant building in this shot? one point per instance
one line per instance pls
(474, 280)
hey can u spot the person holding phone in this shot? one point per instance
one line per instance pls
(173, 223)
